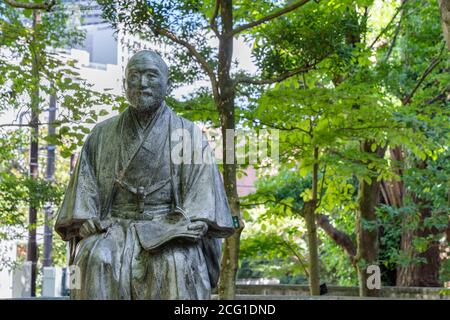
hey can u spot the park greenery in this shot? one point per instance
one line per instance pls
(357, 89)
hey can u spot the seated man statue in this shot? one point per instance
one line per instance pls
(141, 224)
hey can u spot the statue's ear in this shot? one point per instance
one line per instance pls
(169, 85)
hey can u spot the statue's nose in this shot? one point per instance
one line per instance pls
(144, 81)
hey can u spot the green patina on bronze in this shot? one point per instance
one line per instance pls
(143, 226)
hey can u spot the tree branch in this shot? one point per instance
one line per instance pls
(368, 127)
(47, 6)
(399, 9)
(269, 17)
(340, 238)
(440, 96)
(200, 59)
(322, 186)
(297, 255)
(252, 204)
(281, 77)
(427, 71)
(212, 22)
(15, 125)
(394, 40)
(271, 201)
(56, 123)
(279, 127)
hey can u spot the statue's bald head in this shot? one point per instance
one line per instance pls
(150, 57)
(146, 79)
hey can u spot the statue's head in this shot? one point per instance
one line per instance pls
(146, 78)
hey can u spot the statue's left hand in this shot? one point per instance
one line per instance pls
(194, 231)
(154, 234)
(198, 226)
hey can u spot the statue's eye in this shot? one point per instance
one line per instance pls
(150, 75)
(134, 77)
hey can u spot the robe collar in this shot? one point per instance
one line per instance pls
(133, 135)
(138, 126)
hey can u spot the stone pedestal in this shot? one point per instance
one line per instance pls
(51, 282)
(21, 287)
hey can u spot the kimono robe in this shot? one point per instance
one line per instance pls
(126, 178)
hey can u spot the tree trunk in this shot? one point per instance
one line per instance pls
(414, 274)
(48, 229)
(367, 240)
(311, 228)
(314, 285)
(424, 274)
(444, 6)
(32, 254)
(230, 257)
(392, 194)
(419, 274)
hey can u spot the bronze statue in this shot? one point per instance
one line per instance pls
(141, 225)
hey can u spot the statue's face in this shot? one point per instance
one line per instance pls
(145, 82)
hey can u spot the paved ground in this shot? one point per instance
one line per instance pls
(259, 297)
(325, 297)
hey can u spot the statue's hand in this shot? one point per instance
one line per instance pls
(198, 227)
(93, 226)
(194, 231)
(87, 229)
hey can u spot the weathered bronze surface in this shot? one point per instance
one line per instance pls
(141, 225)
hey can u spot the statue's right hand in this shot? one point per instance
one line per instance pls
(87, 229)
(94, 226)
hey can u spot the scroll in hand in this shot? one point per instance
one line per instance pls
(155, 234)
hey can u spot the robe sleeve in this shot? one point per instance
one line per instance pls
(203, 194)
(81, 200)
(204, 199)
